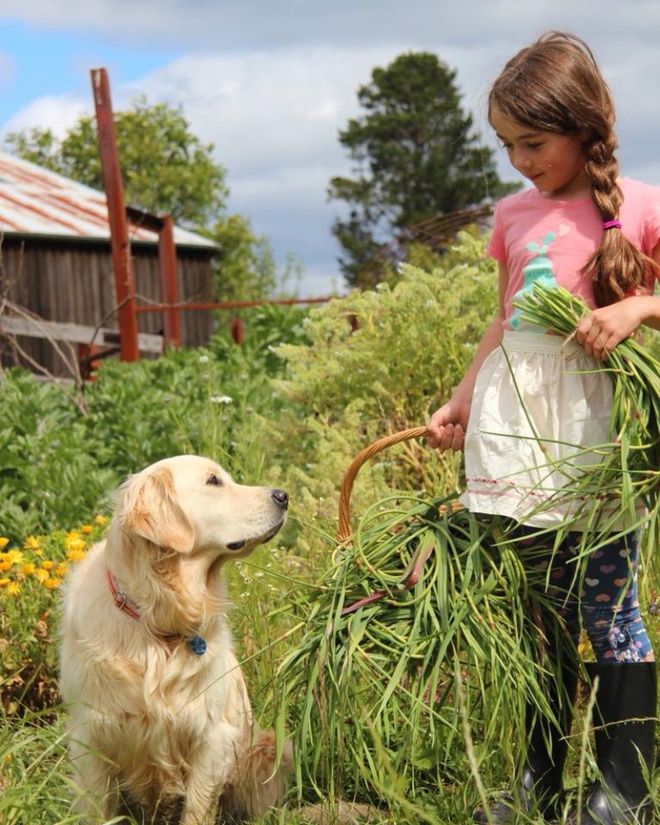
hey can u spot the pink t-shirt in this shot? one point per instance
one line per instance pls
(550, 241)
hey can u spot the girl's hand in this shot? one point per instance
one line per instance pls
(602, 329)
(447, 426)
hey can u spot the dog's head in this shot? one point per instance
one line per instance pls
(178, 520)
(189, 504)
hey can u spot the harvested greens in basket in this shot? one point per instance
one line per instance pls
(424, 624)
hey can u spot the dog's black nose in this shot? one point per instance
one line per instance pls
(281, 497)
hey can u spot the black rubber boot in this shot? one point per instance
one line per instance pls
(624, 729)
(540, 786)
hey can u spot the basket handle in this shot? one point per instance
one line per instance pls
(344, 528)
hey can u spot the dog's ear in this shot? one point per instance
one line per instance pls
(150, 510)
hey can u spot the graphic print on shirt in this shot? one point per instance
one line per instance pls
(538, 271)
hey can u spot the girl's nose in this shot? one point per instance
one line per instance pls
(521, 160)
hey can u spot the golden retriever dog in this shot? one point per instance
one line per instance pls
(159, 720)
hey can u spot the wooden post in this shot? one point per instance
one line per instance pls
(168, 285)
(119, 241)
(237, 330)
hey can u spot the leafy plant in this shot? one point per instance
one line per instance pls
(48, 477)
(378, 362)
(58, 463)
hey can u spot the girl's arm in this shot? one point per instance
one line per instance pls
(448, 424)
(601, 330)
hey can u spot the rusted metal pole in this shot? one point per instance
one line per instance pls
(119, 240)
(168, 285)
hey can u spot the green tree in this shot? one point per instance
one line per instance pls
(165, 170)
(416, 157)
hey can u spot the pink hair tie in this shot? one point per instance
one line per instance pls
(612, 225)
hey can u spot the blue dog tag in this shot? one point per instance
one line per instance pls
(197, 645)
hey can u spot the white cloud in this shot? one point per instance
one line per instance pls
(55, 113)
(239, 24)
(266, 108)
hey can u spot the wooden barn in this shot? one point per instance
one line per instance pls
(56, 264)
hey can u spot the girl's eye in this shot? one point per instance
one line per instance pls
(534, 145)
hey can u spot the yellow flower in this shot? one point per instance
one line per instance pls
(29, 568)
(86, 528)
(100, 520)
(31, 543)
(61, 569)
(41, 574)
(4, 581)
(13, 588)
(48, 565)
(51, 584)
(9, 559)
(75, 546)
(4, 541)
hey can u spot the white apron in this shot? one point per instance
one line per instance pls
(540, 409)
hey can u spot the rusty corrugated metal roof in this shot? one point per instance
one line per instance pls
(36, 201)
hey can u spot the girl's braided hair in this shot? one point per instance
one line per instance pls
(555, 85)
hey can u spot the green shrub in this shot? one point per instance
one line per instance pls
(60, 456)
(379, 362)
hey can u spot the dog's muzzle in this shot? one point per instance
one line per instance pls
(281, 499)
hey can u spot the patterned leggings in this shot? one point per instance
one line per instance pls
(602, 598)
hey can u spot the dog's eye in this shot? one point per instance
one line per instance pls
(214, 480)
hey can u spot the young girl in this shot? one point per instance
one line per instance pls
(531, 405)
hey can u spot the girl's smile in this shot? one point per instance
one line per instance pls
(553, 163)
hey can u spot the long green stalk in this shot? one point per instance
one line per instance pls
(629, 472)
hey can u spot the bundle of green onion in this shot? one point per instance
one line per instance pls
(421, 645)
(630, 471)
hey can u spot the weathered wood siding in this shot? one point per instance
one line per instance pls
(73, 282)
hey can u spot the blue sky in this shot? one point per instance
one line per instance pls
(39, 62)
(272, 82)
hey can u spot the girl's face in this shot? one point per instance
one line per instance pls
(554, 163)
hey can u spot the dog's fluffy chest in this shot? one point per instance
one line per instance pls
(179, 701)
